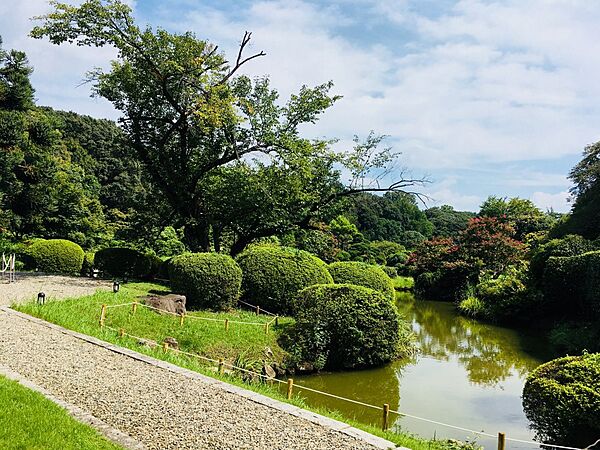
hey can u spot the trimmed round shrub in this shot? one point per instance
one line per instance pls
(123, 262)
(163, 269)
(272, 276)
(362, 274)
(208, 280)
(343, 326)
(57, 256)
(87, 267)
(561, 398)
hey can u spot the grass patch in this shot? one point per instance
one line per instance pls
(206, 338)
(28, 420)
(403, 283)
(243, 344)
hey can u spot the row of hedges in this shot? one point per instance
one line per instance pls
(571, 285)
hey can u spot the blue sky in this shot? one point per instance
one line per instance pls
(485, 97)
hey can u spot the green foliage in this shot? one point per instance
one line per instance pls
(362, 274)
(345, 232)
(522, 214)
(387, 252)
(500, 297)
(208, 280)
(344, 327)
(123, 262)
(390, 217)
(57, 256)
(571, 285)
(570, 245)
(575, 337)
(446, 221)
(87, 267)
(403, 283)
(272, 276)
(585, 214)
(318, 242)
(391, 272)
(16, 92)
(562, 400)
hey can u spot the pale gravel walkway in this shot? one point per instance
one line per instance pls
(158, 407)
(28, 285)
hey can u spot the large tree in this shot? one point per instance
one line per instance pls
(585, 214)
(189, 117)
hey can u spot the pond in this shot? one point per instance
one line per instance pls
(467, 374)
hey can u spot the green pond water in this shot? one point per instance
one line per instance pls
(467, 374)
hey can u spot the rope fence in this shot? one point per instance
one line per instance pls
(385, 408)
(183, 317)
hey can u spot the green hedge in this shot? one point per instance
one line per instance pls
(57, 256)
(562, 400)
(571, 285)
(362, 274)
(391, 272)
(208, 280)
(124, 262)
(343, 326)
(273, 275)
(571, 245)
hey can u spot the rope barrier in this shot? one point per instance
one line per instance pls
(378, 408)
(254, 306)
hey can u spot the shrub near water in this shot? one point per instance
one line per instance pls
(273, 275)
(562, 400)
(123, 262)
(208, 280)
(343, 326)
(362, 274)
(57, 256)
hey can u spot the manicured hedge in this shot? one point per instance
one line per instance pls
(571, 285)
(362, 274)
(343, 326)
(562, 400)
(208, 280)
(57, 256)
(123, 262)
(272, 276)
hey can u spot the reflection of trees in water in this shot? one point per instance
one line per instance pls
(373, 386)
(488, 353)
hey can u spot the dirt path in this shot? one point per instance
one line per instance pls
(158, 404)
(28, 285)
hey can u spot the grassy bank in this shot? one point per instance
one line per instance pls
(243, 344)
(28, 420)
(403, 283)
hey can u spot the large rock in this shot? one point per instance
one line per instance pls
(171, 303)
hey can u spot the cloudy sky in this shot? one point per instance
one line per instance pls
(485, 97)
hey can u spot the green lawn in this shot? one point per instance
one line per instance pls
(242, 344)
(30, 421)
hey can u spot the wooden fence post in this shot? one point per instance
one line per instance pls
(134, 307)
(226, 324)
(276, 321)
(220, 366)
(501, 441)
(181, 317)
(386, 416)
(102, 316)
(290, 387)
(121, 332)
(165, 347)
(257, 310)
(267, 328)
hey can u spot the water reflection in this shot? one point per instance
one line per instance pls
(467, 373)
(489, 354)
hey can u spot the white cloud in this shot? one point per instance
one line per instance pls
(558, 202)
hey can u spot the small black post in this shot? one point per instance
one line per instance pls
(116, 286)
(41, 298)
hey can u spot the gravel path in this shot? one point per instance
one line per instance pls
(159, 408)
(28, 285)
